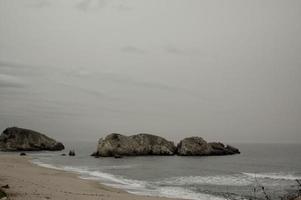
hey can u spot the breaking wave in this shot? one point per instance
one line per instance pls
(134, 186)
(174, 187)
(276, 176)
(233, 180)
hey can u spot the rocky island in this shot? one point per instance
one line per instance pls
(116, 145)
(197, 146)
(20, 139)
(135, 145)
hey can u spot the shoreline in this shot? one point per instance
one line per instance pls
(28, 181)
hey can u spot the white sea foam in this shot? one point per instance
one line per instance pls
(176, 192)
(233, 180)
(85, 173)
(133, 186)
(175, 187)
(41, 164)
(277, 176)
(117, 180)
(44, 154)
(149, 188)
(112, 167)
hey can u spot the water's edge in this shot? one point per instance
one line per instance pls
(176, 187)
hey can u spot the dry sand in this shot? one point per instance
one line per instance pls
(30, 182)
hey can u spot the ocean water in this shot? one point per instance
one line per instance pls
(274, 166)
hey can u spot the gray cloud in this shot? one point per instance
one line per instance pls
(89, 91)
(122, 7)
(10, 81)
(24, 70)
(86, 5)
(83, 5)
(8, 64)
(173, 50)
(174, 67)
(40, 4)
(132, 49)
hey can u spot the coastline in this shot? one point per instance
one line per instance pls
(28, 181)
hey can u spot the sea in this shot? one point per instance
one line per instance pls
(260, 170)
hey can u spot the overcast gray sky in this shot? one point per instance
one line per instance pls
(226, 70)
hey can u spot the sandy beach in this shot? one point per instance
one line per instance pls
(30, 182)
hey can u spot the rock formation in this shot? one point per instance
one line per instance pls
(193, 146)
(117, 145)
(71, 153)
(197, 146)
(19, 139)
(220, 149)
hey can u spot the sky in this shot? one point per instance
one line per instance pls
(225, 70)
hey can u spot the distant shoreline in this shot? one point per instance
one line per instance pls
(29, 181)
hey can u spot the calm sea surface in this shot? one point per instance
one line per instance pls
(274, 166)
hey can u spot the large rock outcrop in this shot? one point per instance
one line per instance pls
(197, 146)
(19, 139)
(135, 145)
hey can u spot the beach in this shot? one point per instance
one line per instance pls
(30, 182)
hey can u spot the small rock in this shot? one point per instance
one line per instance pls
(71, 153)
(95, 154)
(5, 186)
(22, 154)
(63, 154)
(117, 156)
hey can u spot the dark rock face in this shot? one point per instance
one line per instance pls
(19, 139)
(193, 146)
(71, 153)
(5, 186)
(94, 154)
(197, 146)
(117, 145)
(220, 149)
(117, 156)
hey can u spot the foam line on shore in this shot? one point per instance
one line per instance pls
(229, 180)
(276, 176)
(132, 186)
